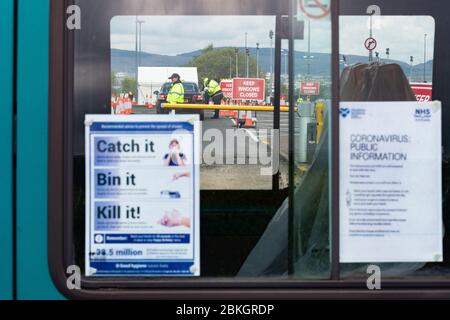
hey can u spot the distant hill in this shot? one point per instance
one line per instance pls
(125, 61)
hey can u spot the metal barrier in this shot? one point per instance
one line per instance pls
(305, 133)
(223, 107)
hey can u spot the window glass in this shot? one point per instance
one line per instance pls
(312, 93)
(234, 47)
(120, 65)
(115, 58)
(405, 45)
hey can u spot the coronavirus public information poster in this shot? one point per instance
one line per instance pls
(390, 182)
(142, 195)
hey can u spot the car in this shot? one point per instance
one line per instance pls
(192, 95)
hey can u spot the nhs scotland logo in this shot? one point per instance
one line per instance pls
(354, 113)
(423, 114)
(345, 112)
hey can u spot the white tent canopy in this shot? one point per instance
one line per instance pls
(151, 79)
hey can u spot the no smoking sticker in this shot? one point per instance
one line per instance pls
(314, 9)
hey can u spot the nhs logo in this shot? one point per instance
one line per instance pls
(354, 113)
(344, 112)
(423, 114)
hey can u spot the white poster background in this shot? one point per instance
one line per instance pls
(390, 209)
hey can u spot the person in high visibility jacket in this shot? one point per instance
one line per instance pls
(213, 92)
(300, 100)
(176, 91)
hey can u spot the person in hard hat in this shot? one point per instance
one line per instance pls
(176, 91)
(213, 92)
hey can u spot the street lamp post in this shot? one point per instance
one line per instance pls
(285, 54)
(425, 58)
(140, 22)
(136, 51)
(237, 62)
(309, 57)
(257, 60)
(247, 51)
(309, 48)
(371, 36)
(411, 60)
(388, 52)
(271, 35)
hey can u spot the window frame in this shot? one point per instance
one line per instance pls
(60, 189)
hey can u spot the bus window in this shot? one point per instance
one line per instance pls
(393, 58)
(313, 96)
(119, 65)
(411, 47)
(263, 79)
(237, 147)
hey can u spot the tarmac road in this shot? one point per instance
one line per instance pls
(238, 159)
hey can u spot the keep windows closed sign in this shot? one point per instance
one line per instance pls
(249, 89)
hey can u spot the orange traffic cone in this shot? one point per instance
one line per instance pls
(113, 104)
(149, 102)
(119, 106)
(130, 106)
(249, 123)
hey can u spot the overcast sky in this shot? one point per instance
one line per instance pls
(173, 35)
(403, 35)
(180, 34)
